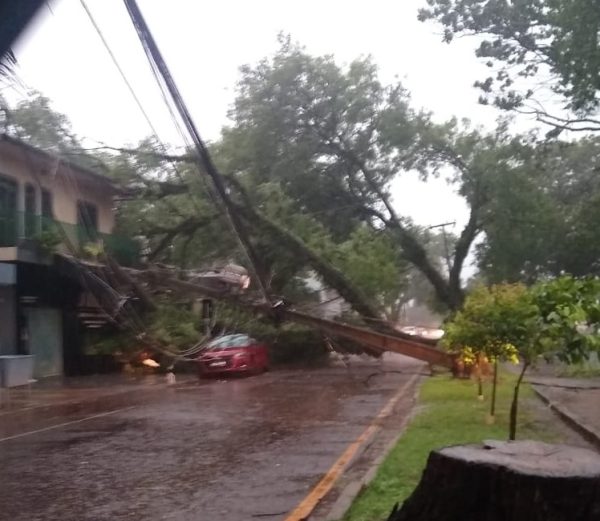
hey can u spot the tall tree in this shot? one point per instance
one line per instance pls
(334, 138)
(543, 217)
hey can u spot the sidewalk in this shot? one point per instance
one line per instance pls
(575, 400)
(54, 400)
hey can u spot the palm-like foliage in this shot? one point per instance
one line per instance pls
(7, 62)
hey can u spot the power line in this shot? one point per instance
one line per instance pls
(155, 57)
(118, 67)
(174, 119)
(139, 103)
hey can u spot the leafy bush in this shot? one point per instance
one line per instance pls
(175, 326)
(48, 240)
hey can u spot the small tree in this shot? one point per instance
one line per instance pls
(558, 318)
(494, 323)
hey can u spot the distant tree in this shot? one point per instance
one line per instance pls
(372, 262)
(551, 43)
(544, 213)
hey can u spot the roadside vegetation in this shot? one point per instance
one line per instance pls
(448, 413)
(555, 319)
(174, 327)
(587, 369)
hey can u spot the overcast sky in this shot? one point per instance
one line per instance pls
(204, 43)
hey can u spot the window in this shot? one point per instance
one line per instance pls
(229, 342)
(8, 211)
(8, 195)
(47, 211)
(87, 222)
(30, 211)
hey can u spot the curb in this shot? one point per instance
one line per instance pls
(570, 419)
(353, 489)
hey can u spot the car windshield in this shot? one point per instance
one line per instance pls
(229, 342)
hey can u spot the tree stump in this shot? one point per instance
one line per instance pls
(506, 481)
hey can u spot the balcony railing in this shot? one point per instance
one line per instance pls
(48, 235)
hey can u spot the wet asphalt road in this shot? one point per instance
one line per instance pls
(241, 449)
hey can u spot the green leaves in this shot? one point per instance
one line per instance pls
(570, 321)
(174, 326)
(543, 214)
(373, 263)
(494, 321)
(558, 317)
(526, 38)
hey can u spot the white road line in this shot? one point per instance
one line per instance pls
(64, 424)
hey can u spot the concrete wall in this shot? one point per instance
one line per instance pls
(67, 185)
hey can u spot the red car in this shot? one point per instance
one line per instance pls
(233, 354)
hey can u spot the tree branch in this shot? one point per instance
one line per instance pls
(155, 189)
(186, 227)
(411, 247)
(569, 124)
(461, 250)
(186, 158)
(331, 275)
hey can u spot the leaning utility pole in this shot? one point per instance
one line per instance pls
(446, 249)
(158, 63)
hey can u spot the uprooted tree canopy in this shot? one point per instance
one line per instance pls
(310, 159)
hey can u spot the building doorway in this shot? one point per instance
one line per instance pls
(44, 329)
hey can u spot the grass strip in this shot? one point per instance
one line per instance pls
(448, 413)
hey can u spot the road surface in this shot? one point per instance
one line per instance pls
(240, 449)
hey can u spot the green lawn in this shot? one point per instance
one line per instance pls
(449, 414)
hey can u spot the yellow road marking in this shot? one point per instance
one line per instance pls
(308, 504)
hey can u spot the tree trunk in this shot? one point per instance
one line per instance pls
(514, 406)
(330, 274)
(501, 481)
(122, 277)
(494, 387)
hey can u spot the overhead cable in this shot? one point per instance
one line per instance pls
(155, 57)
(138, 101)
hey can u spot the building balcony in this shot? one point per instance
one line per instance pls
(34, 238)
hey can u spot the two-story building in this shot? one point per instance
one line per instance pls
(47, 206)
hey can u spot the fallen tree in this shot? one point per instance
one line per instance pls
(138, 281)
